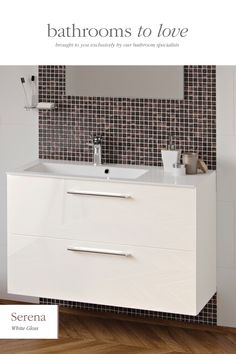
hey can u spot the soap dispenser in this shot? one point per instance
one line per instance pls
(170, 156)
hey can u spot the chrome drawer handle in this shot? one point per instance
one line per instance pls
(101, 194)
(98, 250)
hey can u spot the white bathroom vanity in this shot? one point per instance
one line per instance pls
(113, 235)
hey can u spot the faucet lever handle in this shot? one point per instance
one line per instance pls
(97, 140)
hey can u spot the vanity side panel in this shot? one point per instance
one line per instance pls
(34, 204)
(206, 241)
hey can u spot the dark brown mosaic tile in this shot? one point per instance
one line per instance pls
(134, 130)
(208, 315)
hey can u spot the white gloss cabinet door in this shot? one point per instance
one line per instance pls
(148, 278)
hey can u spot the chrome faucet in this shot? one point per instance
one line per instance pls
(97, 150)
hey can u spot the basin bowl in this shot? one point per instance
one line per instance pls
(83, 170)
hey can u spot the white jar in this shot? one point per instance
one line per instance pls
(179, 170)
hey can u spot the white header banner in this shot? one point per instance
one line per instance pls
(28, 321)
(105, 32)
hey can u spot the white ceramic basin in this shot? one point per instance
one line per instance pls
(102, 171)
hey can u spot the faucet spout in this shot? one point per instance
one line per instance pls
(97, 151)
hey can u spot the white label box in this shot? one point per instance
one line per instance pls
(28, 322)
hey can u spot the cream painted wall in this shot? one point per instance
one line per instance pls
(226, 195)
(18, 144)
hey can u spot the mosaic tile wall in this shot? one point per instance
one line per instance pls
(208, 315)
(134, 130)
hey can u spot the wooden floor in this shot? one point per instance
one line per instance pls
(90, 333)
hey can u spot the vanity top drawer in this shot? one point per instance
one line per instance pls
(101, 273)
(117, 213)
(105, 212)
(130, 214)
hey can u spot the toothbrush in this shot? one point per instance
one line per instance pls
(171, 145)
(34, 96)
(27, 106)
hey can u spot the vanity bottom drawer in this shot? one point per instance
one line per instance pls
(103, 273)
